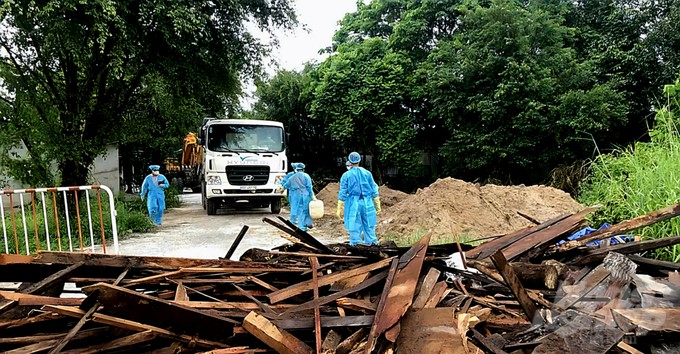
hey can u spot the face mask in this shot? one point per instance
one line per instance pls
(155, 173)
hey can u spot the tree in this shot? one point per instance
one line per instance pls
(515, 97)
(360, 93)
(287, 98)
(73, 70)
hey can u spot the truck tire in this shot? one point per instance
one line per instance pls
(202, 197)
(211, 206)
(276, 206)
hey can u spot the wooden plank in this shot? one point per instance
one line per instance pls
(52, 280)
(305, 236)
(624, 227)
(546, 236)
(349, 282)
(430, 331)
(598, 255)
(158, 312)
(273, 336)
(223, 305)
(153, 278)
(348, 344)
(426, 288)
(518, 290)
(357, 305)
(401, 291)
(138, 262)
(330, 298)
(486, 249)
(440, 290)
(95, 306)
(15, 259)
(653, 263)
(181, 293)
(489, 344)
(132, 340)
(244, 270)
(331, 342)
(582, 288)
(648, 321)
(133, 326)
(317, 312)
(41, 338)
(261, 283)
(318, 255)
(326, 322)
(36, 300)
(628, 348)
(304, 286)
(583, 334)
(373, 333)
(236, 242)
(34, 348)
(236, 350)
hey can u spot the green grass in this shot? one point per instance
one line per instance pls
(408, 240)
(642, 178)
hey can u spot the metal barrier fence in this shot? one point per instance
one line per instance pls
(52, 229)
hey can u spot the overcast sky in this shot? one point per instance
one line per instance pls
(320, 18)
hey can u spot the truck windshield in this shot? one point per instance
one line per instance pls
(245, 138)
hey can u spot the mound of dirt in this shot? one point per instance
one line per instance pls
(450, 206)
(329, 195)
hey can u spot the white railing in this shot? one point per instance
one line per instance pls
(51, 219)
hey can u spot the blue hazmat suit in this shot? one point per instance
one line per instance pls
(154, 190)
(291, 198)
(301, 193)
(357, 190)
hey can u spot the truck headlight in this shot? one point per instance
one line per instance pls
(214, 180)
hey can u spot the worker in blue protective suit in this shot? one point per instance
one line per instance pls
(291, 198)
(300, 190)
(359, 202)
(153, 189)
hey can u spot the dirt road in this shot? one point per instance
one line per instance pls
(189, 232)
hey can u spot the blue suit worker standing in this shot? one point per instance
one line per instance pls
(291, 198)
(359, 202)
(300, 189)
(153, 189)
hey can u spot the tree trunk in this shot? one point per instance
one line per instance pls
(74, 172)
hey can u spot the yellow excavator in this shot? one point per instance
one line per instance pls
(186, 170)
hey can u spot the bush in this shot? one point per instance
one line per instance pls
(642, 178)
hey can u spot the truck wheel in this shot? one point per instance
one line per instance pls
(211, 206)
(276, 206)
(202, 198)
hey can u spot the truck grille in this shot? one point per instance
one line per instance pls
(247, 175)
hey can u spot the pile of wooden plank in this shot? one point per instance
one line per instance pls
(516, 293)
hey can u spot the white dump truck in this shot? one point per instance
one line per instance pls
(244, 162)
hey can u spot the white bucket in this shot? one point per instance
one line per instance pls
(316, 209)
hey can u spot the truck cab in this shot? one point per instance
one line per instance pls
(244, 162)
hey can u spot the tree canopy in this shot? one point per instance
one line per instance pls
(489, 89)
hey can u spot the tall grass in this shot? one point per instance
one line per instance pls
(410, 239)
(642, 178)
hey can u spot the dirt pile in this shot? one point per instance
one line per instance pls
(329, 195)
(450, 206)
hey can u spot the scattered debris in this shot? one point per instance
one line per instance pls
(520, 292)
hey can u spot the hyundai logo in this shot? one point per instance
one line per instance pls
(248, 178)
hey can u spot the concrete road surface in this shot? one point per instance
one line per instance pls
(189, 232)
